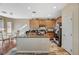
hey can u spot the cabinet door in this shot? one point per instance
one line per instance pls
(34, 24)
(50, 23)
(42, 22)
(67, 33)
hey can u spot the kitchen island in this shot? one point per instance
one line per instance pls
(33, 45)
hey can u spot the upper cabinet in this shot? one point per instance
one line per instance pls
(48, 23)
(42, 22)
(34, 23)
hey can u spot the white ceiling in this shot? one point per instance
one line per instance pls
(24, 10)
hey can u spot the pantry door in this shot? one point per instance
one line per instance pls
(67, 33)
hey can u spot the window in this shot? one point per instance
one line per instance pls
(1, 25)
(9, 27)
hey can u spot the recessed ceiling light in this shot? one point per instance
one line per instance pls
(54, 7)
(4, 12)
(33, 11)
(29, 8)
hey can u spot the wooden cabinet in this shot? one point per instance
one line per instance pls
(53, 23)
(34, 24)
(50, 34)
(42, 22)
(50, 23)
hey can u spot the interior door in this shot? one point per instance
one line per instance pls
(67, 33)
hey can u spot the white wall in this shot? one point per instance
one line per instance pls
(19, 23)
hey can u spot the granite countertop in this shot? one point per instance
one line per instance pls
(28, 36)
(32, 36)
(35, 35)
